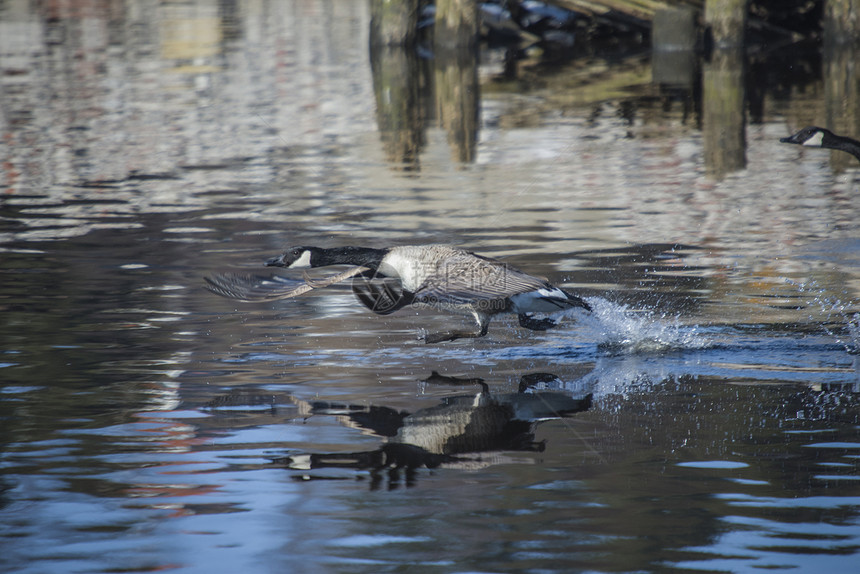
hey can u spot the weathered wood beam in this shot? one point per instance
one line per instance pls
(727, 21)
(641, 9)
(457, 24)
(393, 22)
(842, 21)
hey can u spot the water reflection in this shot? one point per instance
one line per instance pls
(464, 431)
(842, 95)
(458, 95)
(410, 91)
(398, 75)
(722, 95)
(724, 121)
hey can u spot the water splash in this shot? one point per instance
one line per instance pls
(854, 334)
(836, 319)
(620, 328)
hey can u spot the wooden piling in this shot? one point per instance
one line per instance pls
(399, 114)
(723, 121)
(842, 21)
(458, 95)
(457, 25)
(393, 22)
(726, 20)
(674, 41)
(455, 43)
(841, 27)
(675, 29)
(842, 95)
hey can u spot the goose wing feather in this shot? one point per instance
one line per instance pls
(248, 287)
(465, 278)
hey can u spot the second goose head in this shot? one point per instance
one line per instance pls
(814, 136)
(811, 136)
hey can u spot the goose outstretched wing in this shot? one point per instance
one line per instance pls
(249, 287)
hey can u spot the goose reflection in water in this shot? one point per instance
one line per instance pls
(445, 434)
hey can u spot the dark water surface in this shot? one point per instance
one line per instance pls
(706, 417)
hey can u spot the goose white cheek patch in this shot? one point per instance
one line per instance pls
(815, 141)
(302, 262)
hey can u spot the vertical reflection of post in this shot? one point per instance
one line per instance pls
(455, 44)
(841, 76)
(396, 82)
(457, 100)
(393, 22)
(723, 113)
(675, 37)
(456, 25)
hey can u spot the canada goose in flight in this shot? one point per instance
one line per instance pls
(439, 276)
(813, 136)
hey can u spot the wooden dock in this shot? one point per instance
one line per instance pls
(639, 9)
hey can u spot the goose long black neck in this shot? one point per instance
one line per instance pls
(841, 143)
(366, 256)
(815, 136)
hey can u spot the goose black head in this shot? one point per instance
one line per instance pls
(811, 136)
(300, 257)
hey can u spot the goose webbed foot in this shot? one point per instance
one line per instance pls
(529, 322)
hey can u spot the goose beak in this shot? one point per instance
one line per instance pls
(276, 261)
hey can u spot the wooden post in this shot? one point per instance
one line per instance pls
(723, 121)
(675, 29)
(455, 43)
(674, 40)
(393, 22)
(842, 21)
(396, 85)
(842, 95)
(841, 76)
(458, 101)
(723, 94)
(456, 25)
(726, 20)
